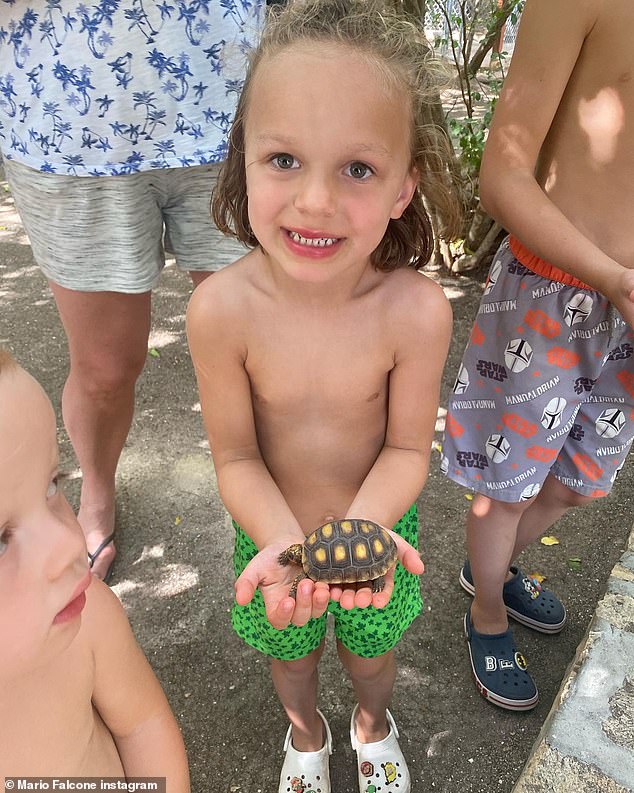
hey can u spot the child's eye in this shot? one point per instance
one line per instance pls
(53, 487)
(359, 170)
(5, 536)
(284, 161)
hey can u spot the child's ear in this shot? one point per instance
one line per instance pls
(406, 193)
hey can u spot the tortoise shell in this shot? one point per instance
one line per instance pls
(347, 551)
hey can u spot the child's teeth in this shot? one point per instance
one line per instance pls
(320, 242)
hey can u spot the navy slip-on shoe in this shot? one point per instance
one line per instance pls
(526, 601)
(499, 669)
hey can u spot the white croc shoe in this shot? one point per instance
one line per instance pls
(381, 767)
(306, 772)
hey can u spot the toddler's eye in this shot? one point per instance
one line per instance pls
(53, 487)
(359, 170)
(284, 161)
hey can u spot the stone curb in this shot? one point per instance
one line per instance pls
(587, 742)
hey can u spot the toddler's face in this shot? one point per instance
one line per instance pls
(43, 563)
(328, 161)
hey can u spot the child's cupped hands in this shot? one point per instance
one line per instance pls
(264, 572)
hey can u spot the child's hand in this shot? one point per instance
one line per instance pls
(622, 296)
(361, 596)
(627, 307)
(274, 581)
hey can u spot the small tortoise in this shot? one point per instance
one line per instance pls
(343, 552)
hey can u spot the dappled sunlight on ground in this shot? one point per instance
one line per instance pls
(162, 338)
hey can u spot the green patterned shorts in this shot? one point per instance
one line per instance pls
(365, 632)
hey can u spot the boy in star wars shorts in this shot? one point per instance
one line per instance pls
(544, 394)
(542, 416)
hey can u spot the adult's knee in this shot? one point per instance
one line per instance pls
(107, 377)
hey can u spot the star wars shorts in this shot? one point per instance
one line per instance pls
(366, 632)
(111, 233)
(546, 386)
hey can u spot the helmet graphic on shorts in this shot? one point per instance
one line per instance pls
(617, 472)
(578, 309)
(551, 417)
(518, 355)
(462, 381)
(530, 491)
(497, 448)
(494, 274)
(610, 423)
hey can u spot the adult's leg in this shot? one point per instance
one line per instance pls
(296, 684)
(198, 276)
(373, 682)
(107, 338)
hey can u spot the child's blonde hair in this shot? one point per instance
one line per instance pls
(404, 56)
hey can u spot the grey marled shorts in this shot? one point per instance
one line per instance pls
(110, 233)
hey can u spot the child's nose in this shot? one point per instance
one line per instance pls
(316, 195)
(65, 544)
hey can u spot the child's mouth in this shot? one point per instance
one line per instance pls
(314, 242)
(75, 605)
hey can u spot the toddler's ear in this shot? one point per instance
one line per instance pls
(406, 193)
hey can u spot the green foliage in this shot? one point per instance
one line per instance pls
(465, 32)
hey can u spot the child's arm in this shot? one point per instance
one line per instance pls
(550, 39)
(244, 482)
(129, 698)
(421, 328)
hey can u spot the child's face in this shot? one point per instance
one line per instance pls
(327, 152)
(43, 563)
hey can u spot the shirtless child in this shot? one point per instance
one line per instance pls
(552, 351)
(319, 354)
(77, 696)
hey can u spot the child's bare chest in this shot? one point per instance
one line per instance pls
(56, 731)
(331, 368)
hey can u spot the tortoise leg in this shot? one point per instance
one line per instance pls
(292, 555)
(378, 584)
(295, 584)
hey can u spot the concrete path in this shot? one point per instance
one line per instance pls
(173, 574)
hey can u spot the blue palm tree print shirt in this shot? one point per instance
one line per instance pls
(121, 86)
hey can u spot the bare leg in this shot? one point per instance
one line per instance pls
(373, 682)
(497, 533)
(198, 276)
(296, 686)
(491, 537)
(107, 338)
(553, 501)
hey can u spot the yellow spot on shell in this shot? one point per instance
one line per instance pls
(320, 555)
(346, 527)
(365, 528)
(360, 551)
(326, 530)
(340, 553)
(378, 546)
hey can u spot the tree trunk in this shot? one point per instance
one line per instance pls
(471, 262)
(491, 36)
(415, 9)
